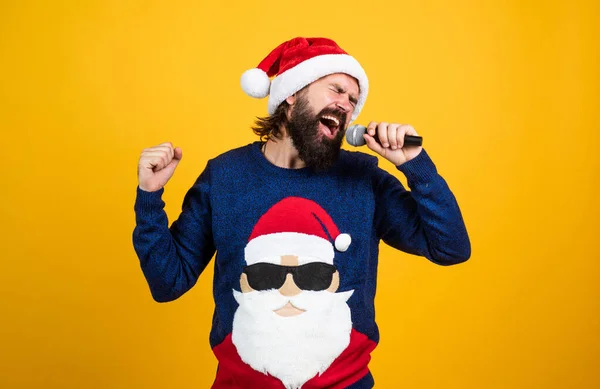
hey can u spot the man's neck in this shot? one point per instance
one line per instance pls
(281, 152)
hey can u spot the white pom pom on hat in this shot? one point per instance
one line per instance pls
(256, 83)
(295, 64)
(342, 242)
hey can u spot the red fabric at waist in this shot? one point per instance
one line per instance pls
(349, 367)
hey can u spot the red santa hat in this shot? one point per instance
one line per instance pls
(297, 63)
(295, 226)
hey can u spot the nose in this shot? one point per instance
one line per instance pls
(289, 287)
(342, 108)
(344, 103)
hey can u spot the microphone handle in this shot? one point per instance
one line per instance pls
(409, 140)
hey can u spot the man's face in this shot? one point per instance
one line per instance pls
(319, 117)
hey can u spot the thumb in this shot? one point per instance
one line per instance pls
(170, 168)
(372, 144)
(177, 155)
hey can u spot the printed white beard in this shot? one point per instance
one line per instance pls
(294, 349)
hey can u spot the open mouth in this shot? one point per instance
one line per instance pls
(331, 125)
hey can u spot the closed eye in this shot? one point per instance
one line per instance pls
(338, 89)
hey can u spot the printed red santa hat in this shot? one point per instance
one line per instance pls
(295, 226)
(297, 63)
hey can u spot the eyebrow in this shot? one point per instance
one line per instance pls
(340, 89)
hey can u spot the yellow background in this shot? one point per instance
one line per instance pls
(505, 94)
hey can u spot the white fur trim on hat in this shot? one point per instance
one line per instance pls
(255, 83)
(310, 70)
(270, 248)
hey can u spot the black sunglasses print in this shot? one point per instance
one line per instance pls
(311, 276)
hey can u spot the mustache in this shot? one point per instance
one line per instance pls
(272, 300)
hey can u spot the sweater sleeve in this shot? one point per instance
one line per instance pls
(424, 221)
(173, 258)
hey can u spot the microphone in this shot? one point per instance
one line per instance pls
(354, 137)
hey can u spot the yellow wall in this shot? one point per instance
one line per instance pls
(505, 94)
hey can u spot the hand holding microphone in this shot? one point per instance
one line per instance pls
(354, 137)
(397, 143)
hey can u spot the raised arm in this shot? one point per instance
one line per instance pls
(171, 258)
(425, 220)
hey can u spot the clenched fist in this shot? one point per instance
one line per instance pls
(156, 166)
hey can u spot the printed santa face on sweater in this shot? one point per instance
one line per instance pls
(290, 322)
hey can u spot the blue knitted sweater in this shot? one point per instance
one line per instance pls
(222, 209)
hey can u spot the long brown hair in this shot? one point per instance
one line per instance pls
(269, 127)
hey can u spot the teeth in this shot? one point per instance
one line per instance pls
(332, 118)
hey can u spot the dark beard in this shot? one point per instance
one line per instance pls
(314, 149)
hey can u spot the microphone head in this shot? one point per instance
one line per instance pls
(354, 135)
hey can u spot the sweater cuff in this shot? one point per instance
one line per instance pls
(147, 203)
(419, 169)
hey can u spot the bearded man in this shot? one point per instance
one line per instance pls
(296, 262)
